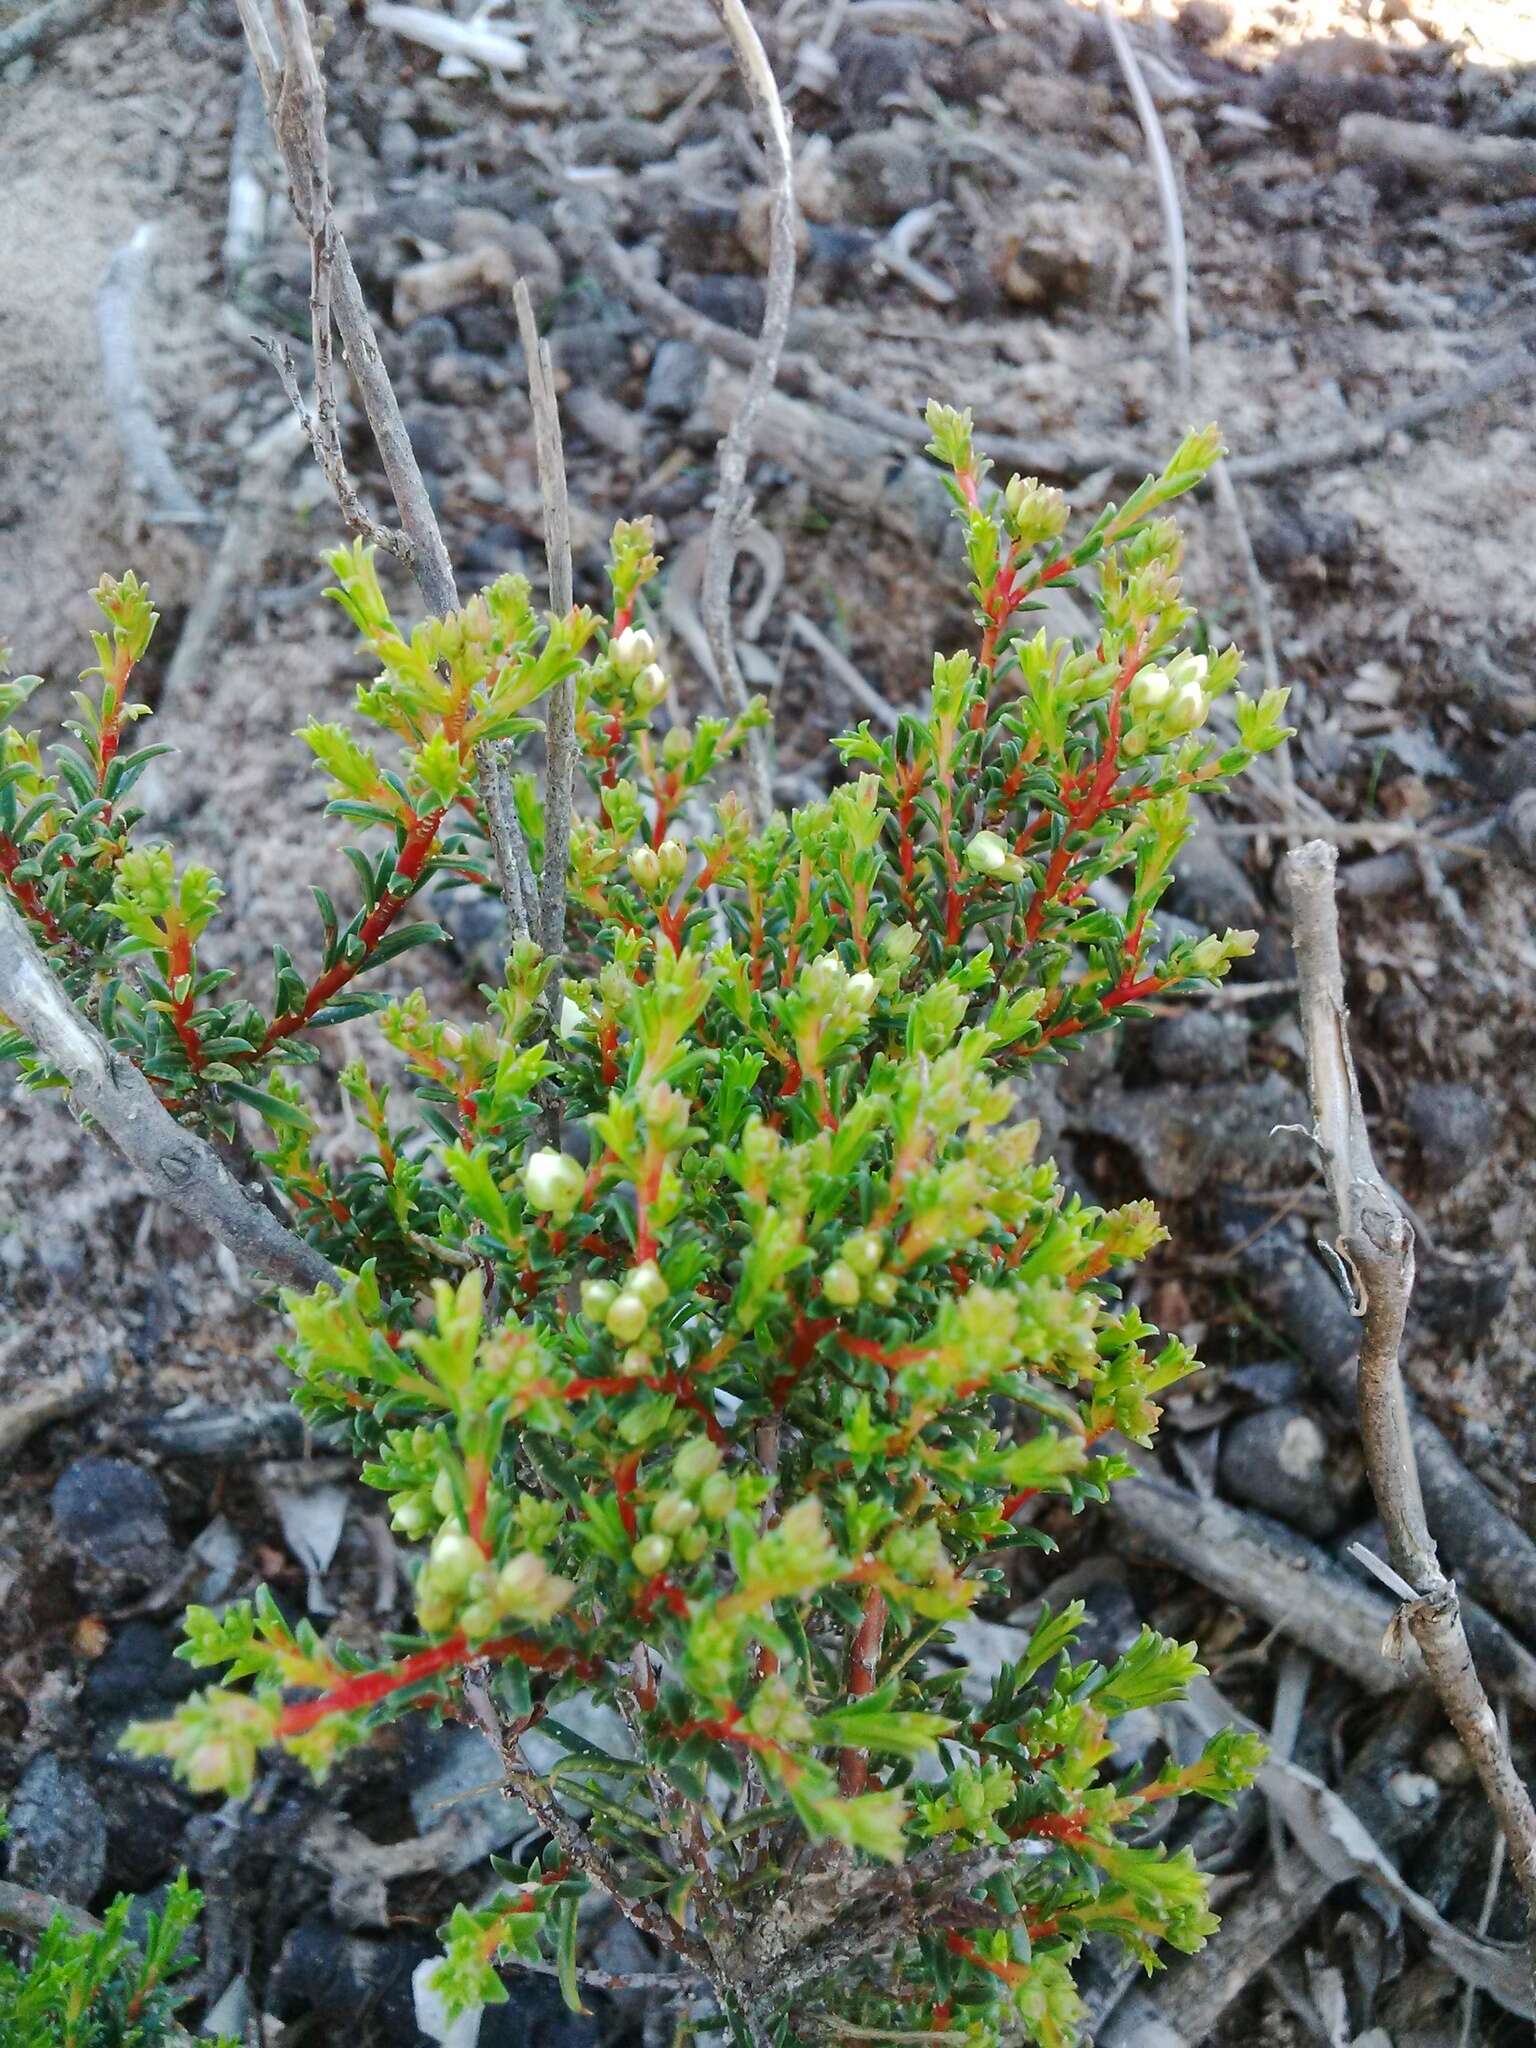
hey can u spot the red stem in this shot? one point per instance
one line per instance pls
(367, 1688)
(419, 841)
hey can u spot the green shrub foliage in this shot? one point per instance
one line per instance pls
(99, 1988)
(706, 1314)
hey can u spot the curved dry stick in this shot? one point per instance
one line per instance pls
(180, 1167)
(736, 449)
(1376, 1239)
(150, 468)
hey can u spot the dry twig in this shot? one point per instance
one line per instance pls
(180, 1167)
(295, 102)
(560, 727)
(45, 26)
(1376, 1240)
(150, 469)
(732, 505)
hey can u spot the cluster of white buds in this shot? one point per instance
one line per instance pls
(855, 1274)
(831, 988)
(1173, 698)
(700, 1495)
(625, 1311)
(460, 1586)
(1035, 511)
(989, 854)
(659, 869)
(633, 654)
(554, 1183)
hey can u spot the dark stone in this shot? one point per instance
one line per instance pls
(1199, 1045)
(485, 330)
(536, 2016)
(676, 381)
(1454, 1128)
(870, 68)
(460, 379)
(1186, 1141)
(839, 257)
(1514, 768)
(1461, 1296)
(885, 175)
(1210, 887)
(325, 1974)
(200, 1429)
(431, 435)
(110, 1515)
(1296, 538)
(621, 140)
(725, 298)
(146, 1816)
(137, 1674)
(475, 922)
(496, 550)
(1266, 1381)
(591, 351)
(58, 1838)
(431, 336)
(1285, 1462)
(702, 237)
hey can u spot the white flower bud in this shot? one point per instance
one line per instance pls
(1188, 708)
(1187, 668)
(672, 859)
(649, 687)
(840, 1284)
(573, 1019)
(597, 1297)
(631, 651)
(864, 1251)
(696, 1461)
(453, 1560)
(645, 868)
(554, 1181)
(987, 854)
(647, 1281)
(627, 1317)
(990, 854)
(1150, 690)
(652, 1554)
(862, 990)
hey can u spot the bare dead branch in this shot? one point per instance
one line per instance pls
(295, 100)
(1356, 443)
(1376, 1240)
(151, 471)
(45, 26)
(560, 724)
(246, 211)
(732, 505)
(178, 1166)
(842, 403)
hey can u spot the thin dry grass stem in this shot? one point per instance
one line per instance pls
(732, 504)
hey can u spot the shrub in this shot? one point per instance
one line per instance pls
(93, 1987)
(707, 1316)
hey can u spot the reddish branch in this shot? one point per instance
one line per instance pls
(419, 842)
(367, 1688)
(863, 1677)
